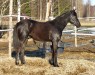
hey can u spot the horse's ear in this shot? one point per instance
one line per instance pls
(73, 11)
(74, 8)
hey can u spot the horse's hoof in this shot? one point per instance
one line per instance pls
(17, 63)
(23, 62)
(56, 65)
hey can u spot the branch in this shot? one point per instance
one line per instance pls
(25, 3)
(4, 3)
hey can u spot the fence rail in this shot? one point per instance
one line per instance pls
(80, 34)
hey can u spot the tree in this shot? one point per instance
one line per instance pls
(60, 6)
(4, 7)
(80, 8)
(87, 9)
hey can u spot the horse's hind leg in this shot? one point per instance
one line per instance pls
(22, 51)
(17, 57)
(22, 55)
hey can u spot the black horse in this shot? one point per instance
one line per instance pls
(50, 31)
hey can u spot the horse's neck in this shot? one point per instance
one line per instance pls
(61, 22)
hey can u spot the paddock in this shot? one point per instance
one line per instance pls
(72, 60)
(77, 57)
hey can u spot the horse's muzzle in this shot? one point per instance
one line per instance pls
(78, 25)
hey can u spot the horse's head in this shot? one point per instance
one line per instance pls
(74, 19)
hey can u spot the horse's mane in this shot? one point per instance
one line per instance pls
(64, 14)
(33, 21)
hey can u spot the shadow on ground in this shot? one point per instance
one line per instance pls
(38, 53)
(35, 53)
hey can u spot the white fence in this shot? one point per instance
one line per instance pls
(77, 34)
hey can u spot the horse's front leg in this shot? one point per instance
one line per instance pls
(53, 60)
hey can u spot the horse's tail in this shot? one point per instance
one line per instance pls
(16, 41)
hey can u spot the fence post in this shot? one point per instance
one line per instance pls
(10, 27)
(75, 36)
(19, 8)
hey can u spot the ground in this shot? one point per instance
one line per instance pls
(73, 61)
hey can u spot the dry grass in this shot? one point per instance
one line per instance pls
(39, 66)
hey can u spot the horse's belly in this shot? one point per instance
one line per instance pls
(40, 37)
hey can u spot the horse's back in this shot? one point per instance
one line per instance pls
(40, 31)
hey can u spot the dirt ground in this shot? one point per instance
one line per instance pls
(73, 61)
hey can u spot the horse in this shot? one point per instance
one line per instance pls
(49, 31)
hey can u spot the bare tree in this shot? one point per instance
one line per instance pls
(87, 9)
(4, 6)
(80, 8)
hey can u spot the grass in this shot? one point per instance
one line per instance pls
(38, 66)
(88, 24)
